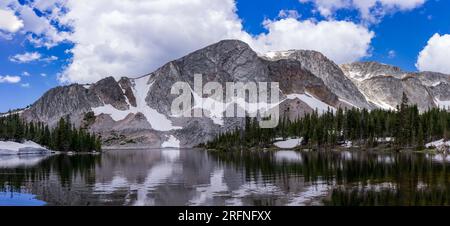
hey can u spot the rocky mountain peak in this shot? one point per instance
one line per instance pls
(366, 70)
(293, 53)
(223, 48)
(328, 71)
(138, 110)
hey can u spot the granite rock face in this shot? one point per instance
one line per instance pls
(383, 85)
(325, 69)
(137, 111)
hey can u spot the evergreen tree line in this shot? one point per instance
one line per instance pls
(64, 137)
(404, 128)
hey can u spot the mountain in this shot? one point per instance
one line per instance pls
(383, 85)
(137, 111)
(328, 71)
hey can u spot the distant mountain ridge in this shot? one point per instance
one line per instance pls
(384, 85)
(136, 111)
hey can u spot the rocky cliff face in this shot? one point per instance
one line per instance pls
(328, 71)
(383, 85)
(137, 111)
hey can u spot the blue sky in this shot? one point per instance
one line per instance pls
(404, 32)
(399, 35)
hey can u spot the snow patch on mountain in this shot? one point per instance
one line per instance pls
(273, 55)
(157, 120)
(357, 76)
(172, 142)
(108, 109)
(215, 109)
(379, 103)
(442, 104)
(436, 84)
(313, 102)
(382, 104)
(361, 71)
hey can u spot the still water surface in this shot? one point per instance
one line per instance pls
(198, 177)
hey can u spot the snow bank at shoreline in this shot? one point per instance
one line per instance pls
(15, 148)
(441, 145)
(289, 143)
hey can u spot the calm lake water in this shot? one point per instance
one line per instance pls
(198, 177)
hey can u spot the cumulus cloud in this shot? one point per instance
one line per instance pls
(9, 21)
(436, 54)
(26, 74)
(341, 41)
(118, 38)
(370, 10)
(39, 28)
(30, 57)
(25, 57)
(121, 38)
(50, 6)
(9, 79)
(25, 85)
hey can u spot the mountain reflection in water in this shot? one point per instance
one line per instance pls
(198, 177)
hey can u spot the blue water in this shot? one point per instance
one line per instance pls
(19, 199)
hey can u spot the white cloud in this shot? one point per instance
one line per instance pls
(327, 7)
(47, 5)
(50, 59)
(9, 79)
(25, 85)
(39, 29)
(289, 14)
(120, 38)
(31, 56)
(436, 54)
(9, 22)
(392, 54)
(43, 75)
(26, 74)
(370, 10)
(341, 41)
(25, 57)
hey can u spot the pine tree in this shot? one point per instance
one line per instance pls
(63, 137)
(407, 126)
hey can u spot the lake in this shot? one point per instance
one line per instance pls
(198, 177)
